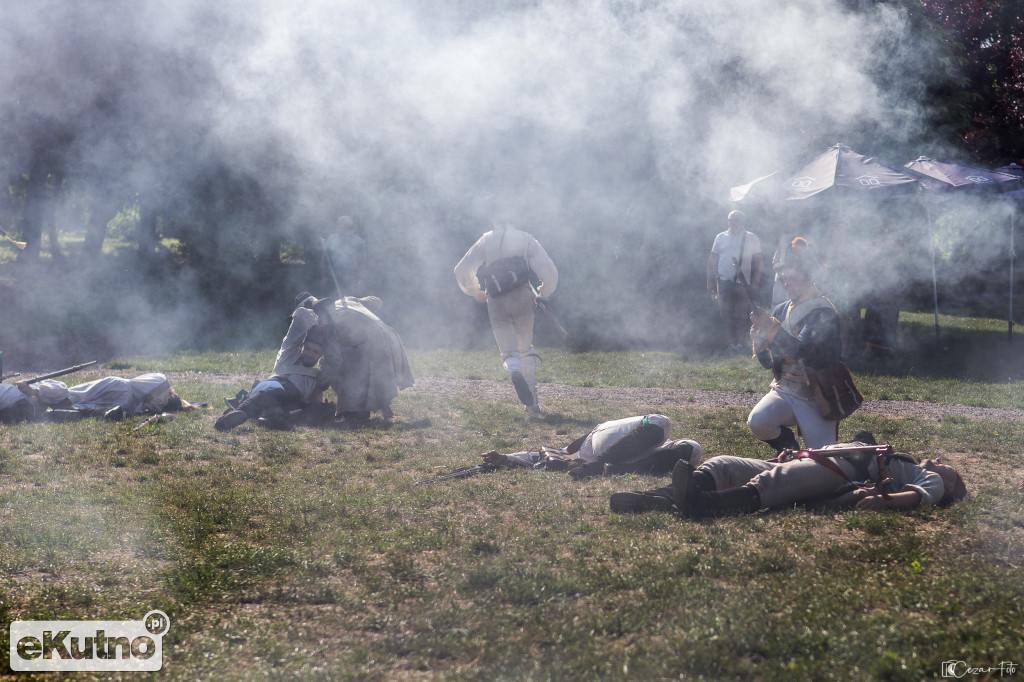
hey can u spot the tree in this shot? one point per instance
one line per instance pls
(987, 43)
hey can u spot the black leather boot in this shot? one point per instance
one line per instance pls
(784, 441)
(703, 481)
(684, 488)
(642, 501)
(742, 500)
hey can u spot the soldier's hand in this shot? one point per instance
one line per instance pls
(873, 502)
(494, 457)
(481, 297)
(759, 319)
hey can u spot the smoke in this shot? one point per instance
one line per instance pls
(611, 131)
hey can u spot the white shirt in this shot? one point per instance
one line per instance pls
(727, 246)
(144, 392)
(10, 395)
(608, 434)
(504, 243)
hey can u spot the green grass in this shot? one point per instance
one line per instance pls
(971, 364)
(310, 554)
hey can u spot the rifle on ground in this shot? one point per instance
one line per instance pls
(154, 419)
(461, 472)
(61, 372)
(546, 307)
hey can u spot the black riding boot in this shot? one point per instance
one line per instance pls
(695, 497)
(784, 441)
(659, 499)
(703, 481)
(742, 500)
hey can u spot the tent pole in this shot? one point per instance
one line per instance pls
(1013, 255)
(935, 283)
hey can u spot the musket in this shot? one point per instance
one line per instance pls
(61, 372)
(551, 316)
(20, 245)
(824, 457)
(10, 376)
(330, 266)
(741, 279)
(461, 472)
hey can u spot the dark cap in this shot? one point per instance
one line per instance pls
(317, 335)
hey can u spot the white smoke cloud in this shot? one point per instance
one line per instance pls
(596, 125)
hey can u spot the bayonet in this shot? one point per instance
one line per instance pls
(461, 472)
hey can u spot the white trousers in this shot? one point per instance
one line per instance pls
(512, 321)
(780, 407)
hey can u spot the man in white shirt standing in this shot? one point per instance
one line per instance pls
(504, 259)
(735, 245)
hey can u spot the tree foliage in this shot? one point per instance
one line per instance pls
(986, 39)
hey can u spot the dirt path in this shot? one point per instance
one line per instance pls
(644, 398)
(479, 389)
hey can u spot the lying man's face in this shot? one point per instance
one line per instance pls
(310, 353)
(951, 481)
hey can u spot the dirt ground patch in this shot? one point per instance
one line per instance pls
(479, 389)
(485, 389)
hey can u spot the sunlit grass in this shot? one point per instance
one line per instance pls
(972, 364)
(311, 555)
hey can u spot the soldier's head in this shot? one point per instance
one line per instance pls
(313, 345)
(955, 489)
(175, 403)
(797, 266)
(737, 221)
(345, 225)
(304, 300)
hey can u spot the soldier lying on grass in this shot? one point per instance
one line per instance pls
(113, 398)
(632, 445)
(859, 474)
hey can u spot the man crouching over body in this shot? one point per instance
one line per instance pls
(364, 361)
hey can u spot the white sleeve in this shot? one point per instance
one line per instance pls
(465, 271)
(907, 476)
(52, 391)
(543, 267)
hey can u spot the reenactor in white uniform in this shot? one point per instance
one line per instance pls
(504, 260)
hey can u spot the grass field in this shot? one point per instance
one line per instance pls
(310, 554)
